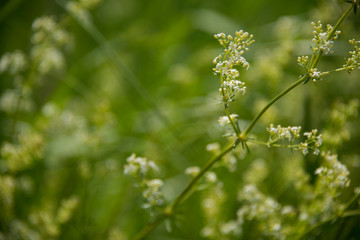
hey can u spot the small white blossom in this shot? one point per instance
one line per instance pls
(14, 62)
(321, 38)
(303, 147)
(314, 74)
(353, 62)
(224, 120)
(138, 165)
(192, 171)
(152, 192)
(281, 133)
(210, 177)
(213, 147)
(231, 227)
(49, 59)
(234, 48)
(303, 60)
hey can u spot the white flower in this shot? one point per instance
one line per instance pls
(225, 120)
(14, 62)
(231, 227)
(210, 177)
(138, 165)
(303, 147)
(192, 171)
(213, 147)
(234, 48)
(153, 193)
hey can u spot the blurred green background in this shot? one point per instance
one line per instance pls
(157, 97)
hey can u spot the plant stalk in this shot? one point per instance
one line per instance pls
(171, 209)
(259, 115)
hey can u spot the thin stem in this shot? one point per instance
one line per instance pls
(301, 80)
(171, 209)
(189, 187)
(150, 227)
(335, 70)
(230, 119)
(258, 116)
(341, 19)
(315, 61)
(273, 145)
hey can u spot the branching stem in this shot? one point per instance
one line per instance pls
(170, 211)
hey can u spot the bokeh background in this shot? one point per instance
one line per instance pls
(147, 87)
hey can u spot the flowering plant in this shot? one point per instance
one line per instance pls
(241, 140)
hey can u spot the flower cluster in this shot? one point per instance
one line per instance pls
(314, 74)
(339, 117)
(322, 201)
(14, 62)
(14, 100)
(139, 167)
(282, 133)
(263, 209)
(234, 48)
(48, 39)
(19, 99)
(231, 88)
(353, 62)
(333, 174)
(303, 60)
(152, 193)
(313, 139)
(322, 39)
(224, 120)
(21, 155)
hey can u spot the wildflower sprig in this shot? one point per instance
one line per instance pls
(322, 39)
(313, 140)
(227, 68)
(282, 133)
(333, 175)
(227, 65)
(139, 168)
(234, 48)
(353, 62)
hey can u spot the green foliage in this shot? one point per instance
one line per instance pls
(89, 86)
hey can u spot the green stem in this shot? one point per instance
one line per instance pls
(258, 116)
(313, 62)
(231, 121)
(335, 70)
(190, 186)
(273, 145)
(301, 80)
(150, 227)
(172, 208)
(341, 19)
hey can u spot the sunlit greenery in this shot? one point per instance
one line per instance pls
(118, 123)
